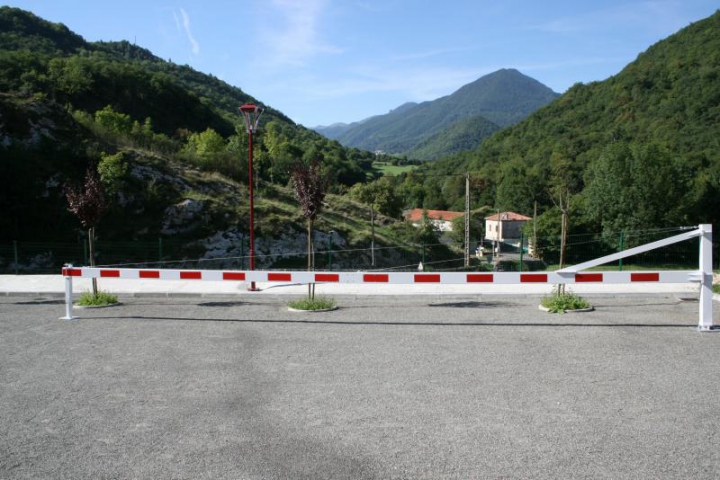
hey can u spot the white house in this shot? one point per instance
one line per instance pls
(504, 227)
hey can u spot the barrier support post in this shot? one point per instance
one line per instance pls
(68, 295)
(705, 323)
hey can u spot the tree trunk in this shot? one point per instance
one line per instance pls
(565, 225)
(310, 258)
(372, 235)
(91, 245)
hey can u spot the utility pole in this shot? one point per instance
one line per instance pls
(496, 252)
(467, 219)
(372, 234)
(534, 239)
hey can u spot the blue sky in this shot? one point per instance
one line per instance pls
(327, 61)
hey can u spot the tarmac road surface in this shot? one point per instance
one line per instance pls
(384, 387)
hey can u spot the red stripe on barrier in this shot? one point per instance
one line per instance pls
(644, 277)
(480, 278)
(427, 278)
(109, 273)
(233, 275)
(327, 277)
(375, 278)
(191, 275)
(533, 278)
(72, 272)
(149, 274)
(279, 277)
(588, 277)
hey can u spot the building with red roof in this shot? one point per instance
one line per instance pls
(504, 226)
(442, 219)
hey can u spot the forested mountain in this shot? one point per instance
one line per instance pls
(503, 98)
(638, 150)
(336, 130)
(464, 135)
(163, 136)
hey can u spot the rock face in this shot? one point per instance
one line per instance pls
(148, 174)
(229, 248)
(182, 217)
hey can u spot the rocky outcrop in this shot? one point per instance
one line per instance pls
(229, 248)
(182, 217)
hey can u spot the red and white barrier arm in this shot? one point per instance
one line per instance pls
(397, 278)
(569, 275)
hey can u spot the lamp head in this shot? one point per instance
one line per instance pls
(252, 115)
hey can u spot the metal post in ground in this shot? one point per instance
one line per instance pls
(521, 250)
(705, 323)
(68, 295)
(242, 253)
(329, 252)
(621, 247)
(17, 259)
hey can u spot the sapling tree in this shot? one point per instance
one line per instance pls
(565, 182)
(88, 203)
(311, 184)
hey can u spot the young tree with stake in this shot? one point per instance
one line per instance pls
(311, 184)
(89, 205)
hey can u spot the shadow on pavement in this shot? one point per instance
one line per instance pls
(390, 323)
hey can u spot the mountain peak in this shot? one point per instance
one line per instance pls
(503, 98)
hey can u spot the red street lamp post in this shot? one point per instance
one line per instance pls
(252, 115)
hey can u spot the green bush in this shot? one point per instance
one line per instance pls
(565, 301)
(312, 304)
(716, 288)
(87, 299)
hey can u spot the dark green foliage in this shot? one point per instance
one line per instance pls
(464, 135)
(381, 194)
(635, 187)
(21, 30)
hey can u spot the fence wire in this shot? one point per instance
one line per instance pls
(446, 255)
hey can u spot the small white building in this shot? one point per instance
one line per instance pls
(442, 219)
(504, 227)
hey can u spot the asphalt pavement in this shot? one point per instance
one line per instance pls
(392, 386)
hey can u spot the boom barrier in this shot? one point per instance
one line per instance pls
(569, 275)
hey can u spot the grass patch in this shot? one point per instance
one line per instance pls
(87, 299)
(311, 304)
(565, 301)
(716, 288)
(388, 168)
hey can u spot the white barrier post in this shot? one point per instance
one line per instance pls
(68, 296)
(706, 301)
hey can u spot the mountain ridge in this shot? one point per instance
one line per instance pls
(502, 97)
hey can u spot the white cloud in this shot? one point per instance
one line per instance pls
(177, 22)
(292, 37)
(186, 26)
